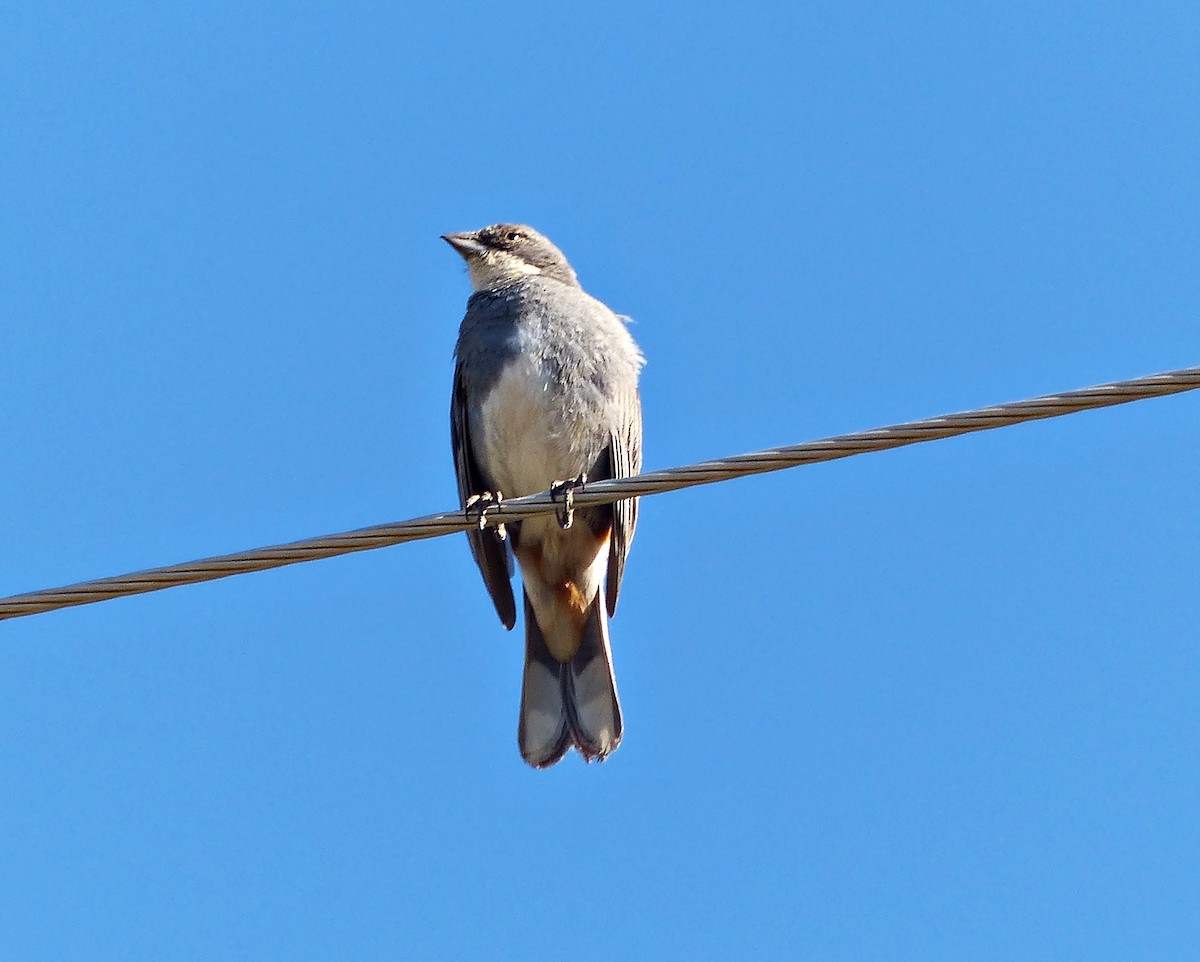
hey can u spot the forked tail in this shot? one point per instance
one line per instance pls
(574, 703)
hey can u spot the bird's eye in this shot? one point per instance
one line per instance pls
(513, 235)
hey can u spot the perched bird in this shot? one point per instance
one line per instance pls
(546, 396)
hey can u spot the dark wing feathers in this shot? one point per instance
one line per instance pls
(625, 459)
(491, 554)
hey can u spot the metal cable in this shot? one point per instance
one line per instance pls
(605, 492)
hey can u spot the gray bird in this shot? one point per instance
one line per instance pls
(545, 395)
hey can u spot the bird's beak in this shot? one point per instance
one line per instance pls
(466, 243)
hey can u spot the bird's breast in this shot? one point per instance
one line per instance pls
(530, 436)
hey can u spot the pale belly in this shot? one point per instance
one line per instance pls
(527, 442)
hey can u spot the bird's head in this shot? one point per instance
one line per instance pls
(504, 253)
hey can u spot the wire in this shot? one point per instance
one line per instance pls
(605, 492)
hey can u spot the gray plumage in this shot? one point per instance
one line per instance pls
(545, 390)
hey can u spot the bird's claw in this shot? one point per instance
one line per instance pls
(563, 494)
(477, 507)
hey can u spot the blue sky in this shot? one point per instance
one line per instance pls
(937, 703)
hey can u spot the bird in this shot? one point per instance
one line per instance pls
(545, 397)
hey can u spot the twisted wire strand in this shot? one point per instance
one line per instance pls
(605, 492)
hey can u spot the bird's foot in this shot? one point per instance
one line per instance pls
(477, 507)
(563, 494)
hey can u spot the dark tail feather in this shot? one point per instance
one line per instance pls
(544, 732)
(590, 689)
(569, 704)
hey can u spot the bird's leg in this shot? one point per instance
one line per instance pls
(563, 492)
(478, 505)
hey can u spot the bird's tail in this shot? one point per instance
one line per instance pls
(569, 703)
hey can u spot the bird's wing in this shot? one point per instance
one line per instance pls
(491, 553)
(625, 459)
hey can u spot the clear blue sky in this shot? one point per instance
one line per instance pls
(941, 703)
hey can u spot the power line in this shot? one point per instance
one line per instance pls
(605, 492)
